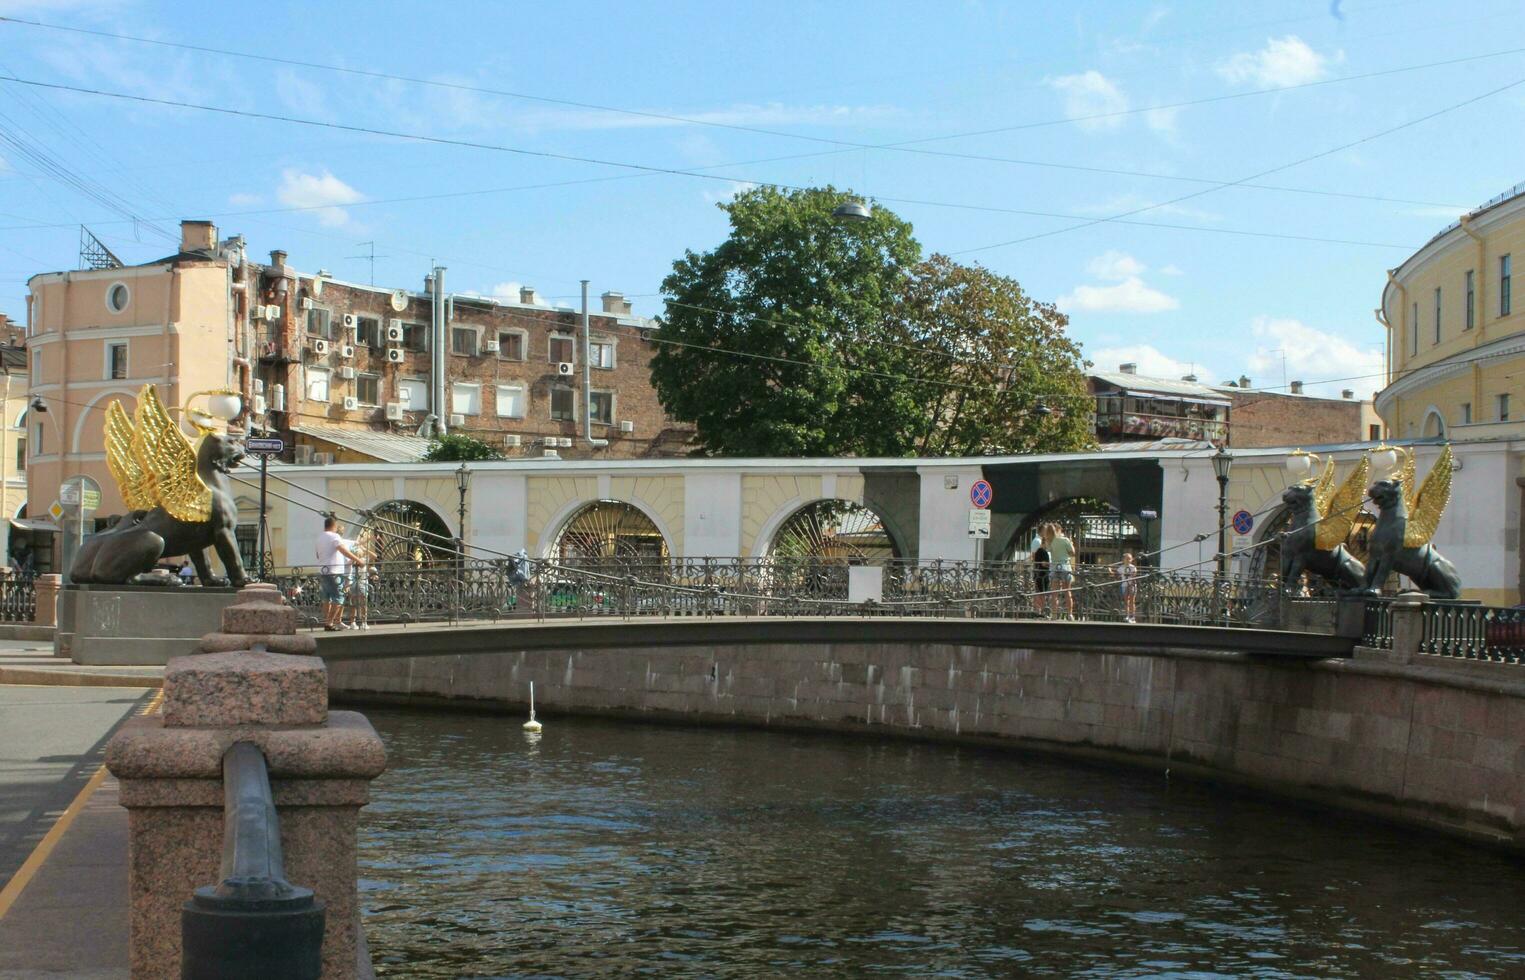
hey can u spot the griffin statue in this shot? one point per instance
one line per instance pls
(1321, 521)
(179, 497)
(1406, 521)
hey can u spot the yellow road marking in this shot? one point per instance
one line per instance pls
(44, 849)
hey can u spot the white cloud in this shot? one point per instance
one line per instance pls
(1283, 61)
(322, 193)
(1171, 270)
(1152, 363)
(1312, 354)
(300, 95)
(1129, 296)
(1115, 265)
(729, 191)
(1089, 95)
(242, 200)
(510, 291)
(1162, 121)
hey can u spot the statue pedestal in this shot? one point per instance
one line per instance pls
(136, 624)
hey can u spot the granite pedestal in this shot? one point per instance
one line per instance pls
(136, 624)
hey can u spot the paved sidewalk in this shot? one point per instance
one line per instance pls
(32, 662)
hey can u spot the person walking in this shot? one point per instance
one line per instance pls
(1127, 576)
(358, 596)
(334, 557)
(1061, 552)
(1041, 571)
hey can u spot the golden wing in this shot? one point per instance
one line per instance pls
(1323, 490)
(1407, 478)
(1336, 521)
(165, 453)
(1429, 503)
(136, 484)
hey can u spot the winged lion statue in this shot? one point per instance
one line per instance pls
(179, 496)
(1406, 521)
(1321, 521)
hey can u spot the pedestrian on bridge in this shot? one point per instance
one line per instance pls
(334, 557)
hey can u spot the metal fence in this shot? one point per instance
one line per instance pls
(447, 591)
(1472, 632)
(18, 599)
(1377, 623)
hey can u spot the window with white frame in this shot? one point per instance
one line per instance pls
(116, 360)
(320, 323)
(1466, 413)
(465, 399)
(415, 336)
(317, 384)
(1506, 295)
(37, 440)
(117, 297)
(563, 349)
(510, 401)
(21, 451)
(368, 331)
(563, 404)
(463, 340)
(413, 394)
(36, 365)
(1503, 408)
(601, 407)
(512, 345)
(368, 389)
(601, 353)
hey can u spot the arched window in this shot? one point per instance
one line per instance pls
(609, 529)
(834, 529)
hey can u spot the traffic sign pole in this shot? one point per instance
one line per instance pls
(264, 476)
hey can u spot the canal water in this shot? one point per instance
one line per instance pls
(615, 849)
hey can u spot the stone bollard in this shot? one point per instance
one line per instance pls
(259, 615)
(170, 767)
(48, 587)
(1408, 626)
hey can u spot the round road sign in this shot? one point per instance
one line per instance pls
(1244, 522)
(981, 494)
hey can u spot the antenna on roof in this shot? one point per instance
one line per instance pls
(371, 255)
(93, 253)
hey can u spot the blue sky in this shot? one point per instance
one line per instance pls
(1065, 86)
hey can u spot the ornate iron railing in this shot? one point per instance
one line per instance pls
(1377, 623)
(1472, 632)
(787, 587)
(18, 599)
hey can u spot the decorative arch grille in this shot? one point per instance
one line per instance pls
(1100, 534)
(405, 531)
(609, 529)
(834, 529)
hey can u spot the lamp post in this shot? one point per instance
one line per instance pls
(1223, 461)
(462, 484)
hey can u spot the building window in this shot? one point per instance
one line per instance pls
(1374, 432)
(21, 451)
(413, 393)
(1466, 413)
(463, 340)
(320, 323)
(317, 385)
(1414, 329)
(368, 389)
(510, 402)
(36, 366)
(247, 536)
(368, 331)
(116, 361)
(601, 354)
(563, 404)
(1471, 300)
(511, 345)
(1437, 314)
(1504, 295)
(415, 336)
(465, 399)
(1504, 408)
(37, 440)
(563, 350)
(601, 407)
(117, 297)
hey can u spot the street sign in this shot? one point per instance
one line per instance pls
(56, 511)
(80, 493)
(265, 447)
(1244, 522)
(980, 494)
(979, 523)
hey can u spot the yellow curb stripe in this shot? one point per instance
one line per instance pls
(44, 849)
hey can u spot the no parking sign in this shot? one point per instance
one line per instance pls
(1244, 522)
(981, 494)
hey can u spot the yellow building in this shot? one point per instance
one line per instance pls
(1456, 331)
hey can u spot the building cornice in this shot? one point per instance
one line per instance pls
(1421, 378)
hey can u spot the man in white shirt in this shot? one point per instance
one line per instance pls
(334, 557)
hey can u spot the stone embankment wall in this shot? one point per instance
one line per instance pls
(1429, 744)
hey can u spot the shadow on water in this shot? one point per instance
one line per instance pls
(610, 848)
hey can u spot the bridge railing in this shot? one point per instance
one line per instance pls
(1377, 623)
(784, 586)
(18, 599)
(1467, 631)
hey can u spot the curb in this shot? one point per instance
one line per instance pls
(75, 678)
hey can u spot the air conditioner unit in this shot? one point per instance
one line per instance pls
(394, 411)
(351, 403)
(566, 369)
(306, 302)
(320, 347)
(259, 386)
(347, 373)
(551, 454)
(490, 346)
(566, 442)
(272, 312)
(278, 397)
(346, 351)
(456, 421)
(394, 355)
(257, 312)
(627, 426)
(259, 404)
(323, 459)
(302, 455)
(349, 320)
(512, 442)
(394, 331)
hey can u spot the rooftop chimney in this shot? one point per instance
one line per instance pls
(527, 295)
(615, 303)
(1244, 382)
(1189, 377)
(429, 284)
(198, 236)
(277, 258)
(1348, 393)
(1128, 368)
(1297, 387)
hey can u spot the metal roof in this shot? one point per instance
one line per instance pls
(386, 447)
(1161, 386)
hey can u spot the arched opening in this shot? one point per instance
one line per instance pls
(834, 529)
(1434, 426)
(1100, 532)
(406, 532)
(1265, 561)
(609, 529)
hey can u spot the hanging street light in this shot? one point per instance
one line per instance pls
(853, 210)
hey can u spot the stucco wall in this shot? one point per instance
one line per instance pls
(1419, 744)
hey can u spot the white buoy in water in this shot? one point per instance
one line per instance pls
(532, 725)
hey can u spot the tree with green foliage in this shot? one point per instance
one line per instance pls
(800, 335)
(455, 448)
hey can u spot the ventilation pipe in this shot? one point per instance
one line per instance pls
(587, 375)
(437, 353)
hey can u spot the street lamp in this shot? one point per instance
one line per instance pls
(1223, 461)
(462, 483)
